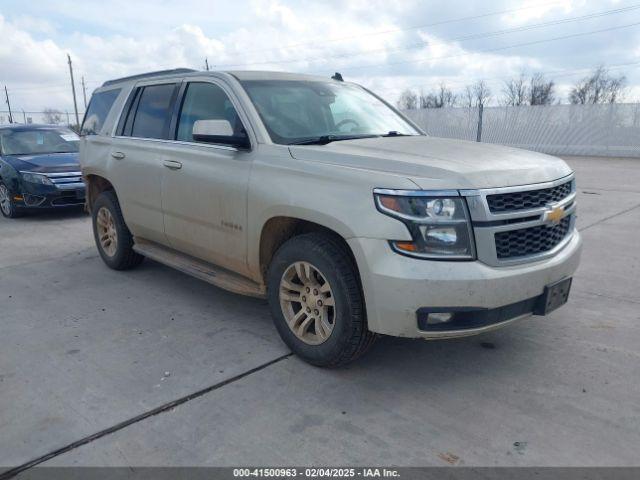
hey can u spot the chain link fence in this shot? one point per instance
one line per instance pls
(65, 118)
(610, 130)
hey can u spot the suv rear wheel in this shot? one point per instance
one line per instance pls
(316, 302)
(113, 238)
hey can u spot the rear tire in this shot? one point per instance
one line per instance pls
(8, 206)
(112, 236)
(316, 301)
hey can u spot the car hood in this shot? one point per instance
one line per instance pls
(438, 162)
(45, 163)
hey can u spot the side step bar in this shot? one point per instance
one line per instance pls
(208, 272)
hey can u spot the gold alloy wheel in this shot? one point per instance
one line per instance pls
(107, 231)
(307, 303)
(5, 200)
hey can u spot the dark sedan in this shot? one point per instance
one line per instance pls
(39, 169)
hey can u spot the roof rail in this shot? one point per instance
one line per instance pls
(149, 75)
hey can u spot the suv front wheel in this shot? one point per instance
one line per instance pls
(112, 236)
(316, 302)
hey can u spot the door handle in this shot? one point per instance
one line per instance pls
(172, 164)
(118, 155)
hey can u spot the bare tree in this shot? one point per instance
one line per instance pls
(481, 93)
(441, 98)
(52, 116)
(599, 87)
(467, 96)
(516, 91)
(408, 100)
(542, 92)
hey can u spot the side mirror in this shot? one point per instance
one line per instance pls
(218, 131)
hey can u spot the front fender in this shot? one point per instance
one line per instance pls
(337, 198)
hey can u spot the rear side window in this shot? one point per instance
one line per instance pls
(153, 107)
(99, 107)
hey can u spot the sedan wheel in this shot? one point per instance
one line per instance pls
(5, 200)
(7, 207)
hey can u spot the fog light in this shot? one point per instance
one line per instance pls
(33, 200)
(440, 317)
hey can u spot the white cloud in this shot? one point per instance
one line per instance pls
(536, 9)
(34, 24)
(119, 37)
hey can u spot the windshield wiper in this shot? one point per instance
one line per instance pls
(394, 133)
(324, 139)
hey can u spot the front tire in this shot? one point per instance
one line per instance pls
(8, 206)
(316, 302)
(112, 236)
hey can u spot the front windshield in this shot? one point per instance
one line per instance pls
(295, 111)
(38, 141)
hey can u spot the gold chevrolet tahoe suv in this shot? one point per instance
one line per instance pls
(318, 195)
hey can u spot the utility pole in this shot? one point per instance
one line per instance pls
(84, 94)
(206, 63)
(73, 90)
(6, 93)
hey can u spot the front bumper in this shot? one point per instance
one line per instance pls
(397, 287)
(50, 196)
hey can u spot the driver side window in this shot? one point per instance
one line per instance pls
(206, 101)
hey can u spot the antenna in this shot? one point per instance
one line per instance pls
(338, 76)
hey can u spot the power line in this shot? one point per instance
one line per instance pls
(490, 50)
(416, 27)
(463, 38)
(57, 86)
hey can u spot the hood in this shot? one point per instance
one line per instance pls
(434, 163)
(45, 162)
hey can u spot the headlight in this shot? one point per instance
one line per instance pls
(439, 225)
(36, 178)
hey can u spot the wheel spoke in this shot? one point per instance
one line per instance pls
(301, 271)
(297, 318)
(329, 302)
(287, 285)
(323, 327)
(302, 329)
(290, 296)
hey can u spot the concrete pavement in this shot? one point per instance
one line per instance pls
(85, 348)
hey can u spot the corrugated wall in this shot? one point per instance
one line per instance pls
(611, 130)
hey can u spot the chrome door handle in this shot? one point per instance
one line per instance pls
(118, 155)
(172, 164)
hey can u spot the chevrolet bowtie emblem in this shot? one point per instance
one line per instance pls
(554, 215)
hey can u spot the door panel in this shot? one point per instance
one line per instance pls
(137, 178)
(136, 157)
(205, 203)
(204, 186)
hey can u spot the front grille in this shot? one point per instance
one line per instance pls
(530, 241)
(506, 202)
(66, 180)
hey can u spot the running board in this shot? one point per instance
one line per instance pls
(208, 272)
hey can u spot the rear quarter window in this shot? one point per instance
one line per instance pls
(99, 107)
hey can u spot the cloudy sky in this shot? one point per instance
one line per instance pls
(385, 45)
